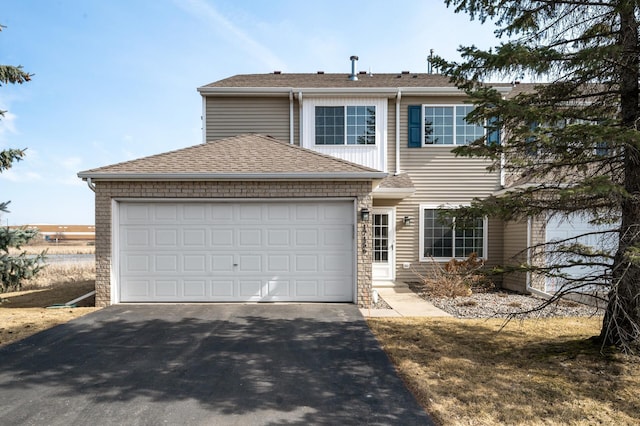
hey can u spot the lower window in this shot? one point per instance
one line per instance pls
(444, 237)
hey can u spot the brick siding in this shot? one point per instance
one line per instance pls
(107, 191)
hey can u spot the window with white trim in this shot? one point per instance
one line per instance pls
(345, 125)
(446, 125)
(446, 237)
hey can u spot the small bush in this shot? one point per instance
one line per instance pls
(456, 278)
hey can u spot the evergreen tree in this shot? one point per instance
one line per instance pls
(570, 144)
(14, 269)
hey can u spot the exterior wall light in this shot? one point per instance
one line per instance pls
(406, 220)
(364, 215)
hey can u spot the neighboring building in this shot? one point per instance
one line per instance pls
(63, 233)
(307, 187)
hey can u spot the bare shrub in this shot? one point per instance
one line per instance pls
(455, 278)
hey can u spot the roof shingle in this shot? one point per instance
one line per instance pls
(250, 154)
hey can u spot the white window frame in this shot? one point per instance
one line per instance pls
(309, 119)
(422, 124)
(346, 125)
(432, 206)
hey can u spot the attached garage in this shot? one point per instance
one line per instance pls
(242, 219)
(248, 251)
(576, 228)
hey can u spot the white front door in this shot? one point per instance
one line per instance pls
(384, 241)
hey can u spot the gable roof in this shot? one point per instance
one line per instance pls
(333, 80)
(367, 83)
(243, 157)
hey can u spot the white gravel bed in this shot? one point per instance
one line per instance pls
(502, 304)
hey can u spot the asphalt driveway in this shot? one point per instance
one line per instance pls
(222, 364)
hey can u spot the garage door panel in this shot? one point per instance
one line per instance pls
(277, 289)
(250, 289)
(165, 263)
(222, 263)
(137, 238)
(306, 263)
(196, 237)
(306, 289)
(222, 289)
(306, 237)
(166, 237)
(249, 263)
(250, 238)
(136, 289)
(251, 213)
(166, 288)
(167, 213)
(240, 251)
(278, 263)
(195, 288)
(133, 263)
(222, 238)
(194, 263)
(279, 238)
(194, 212)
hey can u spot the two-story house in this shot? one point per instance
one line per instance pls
(306, 187)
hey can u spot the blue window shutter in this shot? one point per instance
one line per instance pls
(493, 138)
(415, 122)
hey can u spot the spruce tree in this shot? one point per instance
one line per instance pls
(14, 269)
(570, 141)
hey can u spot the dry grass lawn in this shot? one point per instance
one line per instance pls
(53, 248)
(543, 371)
(24, 313)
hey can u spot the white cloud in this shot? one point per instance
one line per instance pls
(71, 163)
(19, 176)
(7, 125)
(206, 12)
(71, 180)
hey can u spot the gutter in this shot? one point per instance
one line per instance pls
(318, 91)
(231, 176)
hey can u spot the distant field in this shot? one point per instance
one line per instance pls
(60, 248)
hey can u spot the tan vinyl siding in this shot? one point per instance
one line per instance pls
(231, 116)
(439, 178)
(515, 243)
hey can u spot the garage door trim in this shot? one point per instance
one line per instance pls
(116, 204)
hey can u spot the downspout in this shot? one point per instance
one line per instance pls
(300, 115)
(398, 98)
(291, 117)
(91, 185)
(203, 119)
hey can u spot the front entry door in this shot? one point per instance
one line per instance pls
(384, 241)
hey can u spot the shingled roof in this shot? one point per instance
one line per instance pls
(242, 157)
(333, 80)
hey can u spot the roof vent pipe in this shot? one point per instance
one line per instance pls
(354, 71)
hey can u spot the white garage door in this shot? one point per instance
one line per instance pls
(240, 251)
(577, 229)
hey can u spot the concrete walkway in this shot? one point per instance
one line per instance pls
(404, 303)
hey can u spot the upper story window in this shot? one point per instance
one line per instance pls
(348, 124)
(446, 125)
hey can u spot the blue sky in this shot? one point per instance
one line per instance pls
(116, 80)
